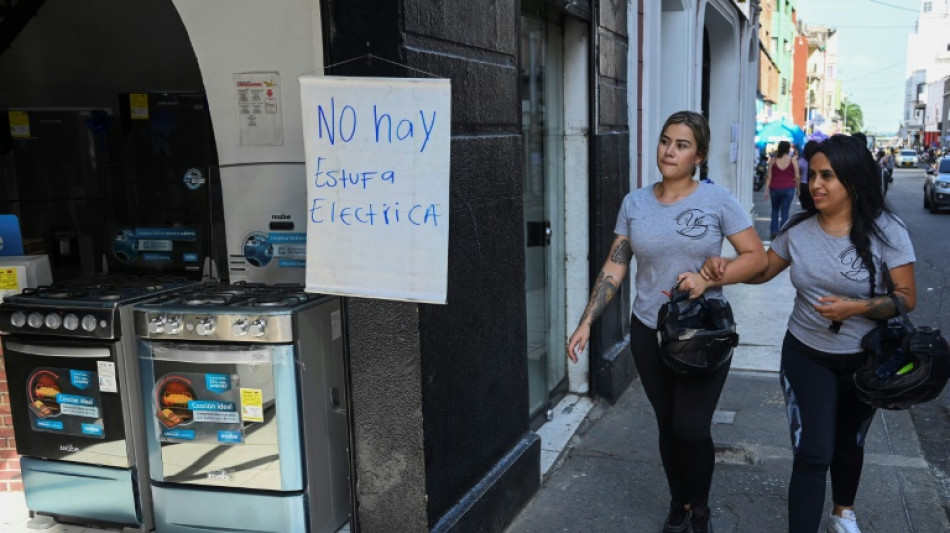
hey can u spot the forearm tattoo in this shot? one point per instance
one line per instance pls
(882, 307)
(604, 289)
(622, 253)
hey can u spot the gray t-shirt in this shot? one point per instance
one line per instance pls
(669, 239)
(822, 265)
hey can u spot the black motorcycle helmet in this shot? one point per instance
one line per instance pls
(696, 336)
(916, 370)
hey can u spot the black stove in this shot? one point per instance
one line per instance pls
(84, 307)
(106, 290)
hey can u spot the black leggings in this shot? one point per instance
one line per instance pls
(684, 407)
(828, 425)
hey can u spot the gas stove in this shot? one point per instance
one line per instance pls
(240, 312)
(81, 308)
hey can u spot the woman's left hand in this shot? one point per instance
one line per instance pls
(835, 308)
(692, 283)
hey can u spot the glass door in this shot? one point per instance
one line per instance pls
(543, 141)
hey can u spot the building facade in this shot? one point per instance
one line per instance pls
(556, 105)
(928, 60)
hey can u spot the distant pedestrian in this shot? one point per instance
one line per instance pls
(670, 228)
(781, 183)
(835, 252)
(888, 164)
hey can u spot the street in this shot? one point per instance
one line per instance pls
(929, 235)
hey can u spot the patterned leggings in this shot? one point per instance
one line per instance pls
(828, 425)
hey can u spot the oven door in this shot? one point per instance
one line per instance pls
(222, 415)
(65, 401)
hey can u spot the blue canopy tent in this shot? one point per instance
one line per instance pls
(779, 130)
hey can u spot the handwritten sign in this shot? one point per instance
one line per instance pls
(377, 152)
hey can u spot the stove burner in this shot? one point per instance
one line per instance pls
(106, 288)
(204, 299)
(108, 296)
(275, 301)
(218, 296)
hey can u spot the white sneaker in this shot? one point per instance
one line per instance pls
(846, 523)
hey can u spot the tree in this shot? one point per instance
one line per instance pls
(852, 117)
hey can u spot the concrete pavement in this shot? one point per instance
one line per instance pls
(609, 477)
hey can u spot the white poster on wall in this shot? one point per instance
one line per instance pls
(377, 154)
(257, 100)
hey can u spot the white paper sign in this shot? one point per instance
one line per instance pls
(257, 100)
(377, 152)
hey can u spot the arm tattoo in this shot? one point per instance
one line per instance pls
(622, 253)
(604, 290)
(882, 307)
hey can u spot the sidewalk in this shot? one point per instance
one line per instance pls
(610, 479)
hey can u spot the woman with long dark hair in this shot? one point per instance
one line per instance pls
(671, 227)
(835, 251)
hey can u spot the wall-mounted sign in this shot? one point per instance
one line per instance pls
(258, 108)
(377, 153)
(19, 124)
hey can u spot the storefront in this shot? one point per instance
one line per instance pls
(555, 108)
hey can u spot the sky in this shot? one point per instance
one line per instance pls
(872, 53)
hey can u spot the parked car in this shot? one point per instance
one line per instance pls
(937, 186)
(907, 158)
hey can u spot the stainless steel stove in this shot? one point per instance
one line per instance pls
(75, 398)
(243, 312)
(245, 405)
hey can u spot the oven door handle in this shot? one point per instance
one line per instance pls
(62, 351)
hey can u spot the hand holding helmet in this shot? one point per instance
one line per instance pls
(696, 336)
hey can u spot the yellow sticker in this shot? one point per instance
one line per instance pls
(252, 405)
(19, 124)
(138, 106)
(9, 280)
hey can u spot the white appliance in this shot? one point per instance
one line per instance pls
(265, 216)
(18, 272)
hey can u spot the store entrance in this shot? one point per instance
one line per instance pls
(542, 79)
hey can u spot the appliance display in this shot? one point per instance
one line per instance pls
(75, 398)
(55, 184)
(265, 211)
(160, 220)
(243, 389)
(164, 197)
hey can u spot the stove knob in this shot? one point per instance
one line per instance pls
(35, 320)
(205, 326)
(258, 327)
(239, 328)
(88, 323)
(71, 322)
(53, 321)
(173, 326)
(156, 324)
(18, 319)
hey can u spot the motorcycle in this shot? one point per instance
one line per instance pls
(761, 168)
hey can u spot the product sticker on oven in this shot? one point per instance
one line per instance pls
(199, 407)
(65, 401)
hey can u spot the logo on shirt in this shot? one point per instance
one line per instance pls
(693, 223)
(854, 266)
